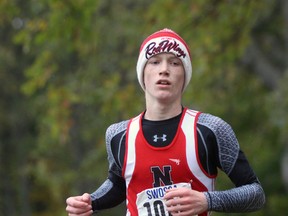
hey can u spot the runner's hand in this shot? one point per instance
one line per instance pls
(185, 202)
(79, 205)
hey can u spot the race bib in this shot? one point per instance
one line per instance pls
(150, 202)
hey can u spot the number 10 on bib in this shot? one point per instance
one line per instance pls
(150, 202)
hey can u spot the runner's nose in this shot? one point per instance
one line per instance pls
(164, 70)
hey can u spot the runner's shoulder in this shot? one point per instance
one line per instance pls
(214, 123)
(116, 129)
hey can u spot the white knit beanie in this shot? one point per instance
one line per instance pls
(164, 41)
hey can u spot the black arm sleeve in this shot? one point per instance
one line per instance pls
(242, 173)
(248, 195)
(113, 191)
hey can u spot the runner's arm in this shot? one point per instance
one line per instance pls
(113, 191)
(248, 194)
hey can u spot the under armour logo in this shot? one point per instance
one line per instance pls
(163, 138)
(177, 161)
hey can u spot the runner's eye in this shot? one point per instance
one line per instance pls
(153, 61)
(175, 63)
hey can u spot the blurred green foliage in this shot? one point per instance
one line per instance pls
(67, 71)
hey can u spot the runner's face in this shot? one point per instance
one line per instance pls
(164, 77)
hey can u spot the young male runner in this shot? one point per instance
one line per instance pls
(165, 160)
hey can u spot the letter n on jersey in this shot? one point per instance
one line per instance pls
(161, 176)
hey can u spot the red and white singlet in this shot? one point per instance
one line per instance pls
(149, 171)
